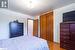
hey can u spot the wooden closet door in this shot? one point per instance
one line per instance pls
(46, 26)
(43, 24)
(49, 26)
(35, 27)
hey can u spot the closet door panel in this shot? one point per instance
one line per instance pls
(50, 26)
(35, 27)
(46, 26)
(43, 26)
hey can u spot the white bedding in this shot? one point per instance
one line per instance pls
(24, 43)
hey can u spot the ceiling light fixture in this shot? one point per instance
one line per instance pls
(30, 4)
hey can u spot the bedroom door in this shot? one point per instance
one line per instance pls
(30, 27)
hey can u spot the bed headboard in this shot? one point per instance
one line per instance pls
(16, 29)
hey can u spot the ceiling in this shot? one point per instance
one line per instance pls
(36, 7)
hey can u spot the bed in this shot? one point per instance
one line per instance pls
(24, 43)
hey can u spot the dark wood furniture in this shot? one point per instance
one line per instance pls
(67, 35)
(46, 26)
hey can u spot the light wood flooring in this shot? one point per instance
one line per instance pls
(54, 46)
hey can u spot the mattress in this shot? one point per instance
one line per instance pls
(24, 43)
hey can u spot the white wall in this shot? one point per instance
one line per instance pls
(58, 14)
(7, 16)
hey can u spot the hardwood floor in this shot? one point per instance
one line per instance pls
(54, 46)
